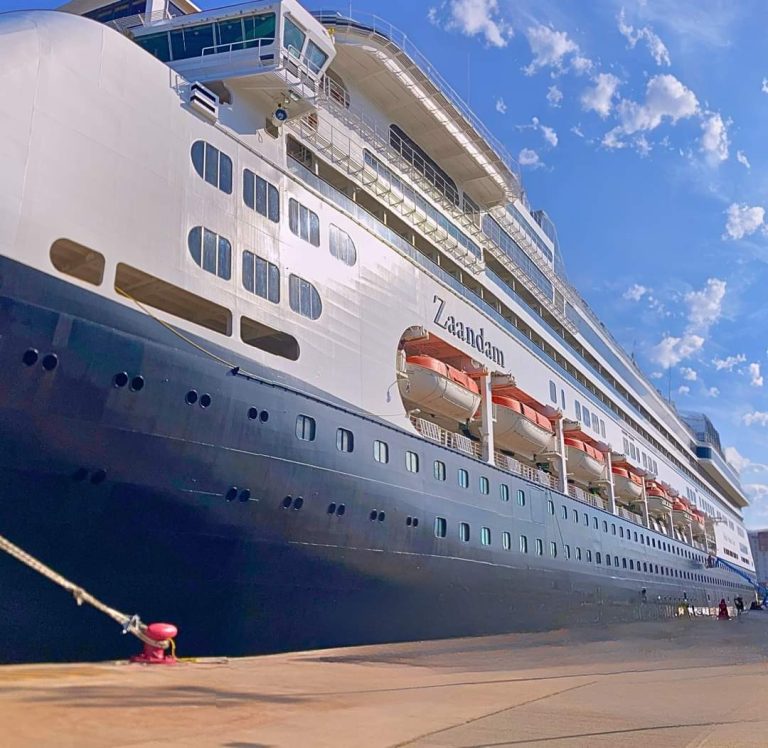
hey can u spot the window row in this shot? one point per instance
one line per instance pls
(590, 420)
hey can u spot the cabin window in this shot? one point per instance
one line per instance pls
(562, 399)
(594, 522)
(589, 555)
(381, 452)
(463, 478)
(577, 407)
(623, 562)
(578, 554)
(504, 491)
(585, 415)
(120, 9)
(485, 535)
(315, 57)
(626, 445)
(268, 339)
(485, 485)
(567, 550)
(595, 422)
(621, 532)
(293, 37)
(550, 506)
(602, 428)
(261, 196)
(305, 428)
(607, 559)
(553, 392)
(506, 541)
(553, 549)
(539, 547)
(411, 462)
(341, 245)
(441, 527)
(520, 497)
(212, 165)
(564, 511)
(261, 277)
(303, 222)
(345, 440)
(523, 544)
(464, 532)
(74, 259)
(586, 519)
(631, 565)
(598, 557)
(613, 528)
(304, 298)
(438, 470)
(213, 253)
(605, 526)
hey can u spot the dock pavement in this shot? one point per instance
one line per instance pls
(683, 682)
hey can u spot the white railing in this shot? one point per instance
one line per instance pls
(631, 516)
(511, 465)
(446, 438)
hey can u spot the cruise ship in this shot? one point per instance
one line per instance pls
(288, 359)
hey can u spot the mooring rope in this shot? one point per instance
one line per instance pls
(131, 624)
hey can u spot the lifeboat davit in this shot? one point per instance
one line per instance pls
(519, 428)
(627, 486)
(437, 388)
(585, 463)
(658, 500)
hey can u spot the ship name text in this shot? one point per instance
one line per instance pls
(466, 333)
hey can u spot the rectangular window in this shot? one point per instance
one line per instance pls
(567, 551)
(441, 527)
(261, 277)
(585, 416)
(438, 470)
(586, 519)
(562, 399)
(578, 554)
(463, 478)
(539, 547)
(506, 541)
(303, 297)
(381, 452)
(261, 196)
(345, 440)
(411, 462)
(553, 392)
(607, 559)
(598, 557)
(623, 562)
(589, 556)
(485, 535)
(595, 422)
(613, 528)
(577, 406)
(521, 497)
(464, 532)
(303, 222)
(551, 506)
(602, 428)
(523, 544)
(564, 511)
(553, 549)
(341, 245)
(485, 485)
(594, 522)
(504, 491)
(305, 428)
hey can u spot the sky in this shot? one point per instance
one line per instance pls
(640, 128)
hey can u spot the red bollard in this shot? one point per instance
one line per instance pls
(156, 655)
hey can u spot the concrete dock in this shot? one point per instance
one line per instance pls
(684, 682)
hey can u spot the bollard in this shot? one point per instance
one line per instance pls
(156, 654)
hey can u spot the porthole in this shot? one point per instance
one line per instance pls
(120, 379)
(191, 397)
(137, 383)
(264, 416)
(253, 413)
(287, 501)
(98, 476)
(331, 508)
(340, 511)
(298, 502)
(373, 515)
(205, 400)
(231, 494)
(245, 495)
(382, 516)
(50, 361)
(30, 357)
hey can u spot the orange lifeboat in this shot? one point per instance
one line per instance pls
(439, 389)
(698, 523)
(681, 514)
(585, 463)
(519, 428)
(627, 486)
(659, 502)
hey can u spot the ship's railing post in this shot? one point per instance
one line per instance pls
(646, 521)
(611, 493)
(560, 436)
(486, 418)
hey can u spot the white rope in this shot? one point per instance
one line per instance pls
(131, 624)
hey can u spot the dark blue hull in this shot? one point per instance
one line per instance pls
(178, 512)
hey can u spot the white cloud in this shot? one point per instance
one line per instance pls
(741, 463)
(665, 98)
(501, 107)
(684, 390)
(600, 98)
(690, 375)
(728, 363)
(656, 375)
(756, 491)
(758, 417)
(704, 309)
(711, 392)
(656, 47)
(741, 157)
(635, 292)
(550, 48)
(743, 220)
(549, 135)
(755, 377)
(576, 130)
(764, 86)
(529, 157)
(714, 139)
(554, 96)
(477, 18)
(705, 306)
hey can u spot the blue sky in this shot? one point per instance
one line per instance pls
(640, 128)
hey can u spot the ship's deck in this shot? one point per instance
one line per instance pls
(681, 682)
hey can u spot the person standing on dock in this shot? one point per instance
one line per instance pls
(722, 611)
